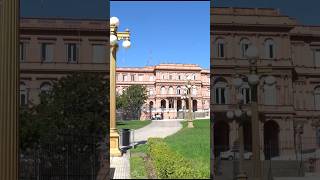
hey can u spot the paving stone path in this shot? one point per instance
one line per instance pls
(158, 128)
(120, 166)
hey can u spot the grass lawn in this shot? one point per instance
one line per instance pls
(193, 144)
(132, 124)
(139, 171)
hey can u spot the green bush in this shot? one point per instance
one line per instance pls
(169, 164)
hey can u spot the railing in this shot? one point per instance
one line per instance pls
(71, 160)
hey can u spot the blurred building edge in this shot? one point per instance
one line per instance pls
(289, 52)
(9, 70)
(165, 88)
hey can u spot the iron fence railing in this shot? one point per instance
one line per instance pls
(68, 159)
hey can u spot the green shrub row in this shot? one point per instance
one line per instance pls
(169, 164)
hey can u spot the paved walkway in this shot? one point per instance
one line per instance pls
(157, 128)
(120, 166)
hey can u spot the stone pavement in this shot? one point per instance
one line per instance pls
(157, 128)
(120, 167)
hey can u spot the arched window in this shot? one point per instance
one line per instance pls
(163, 90)
(270, 49)
(219, 48)
(178, 90)
(45, 87)
(246, 92)
(171, 103)
(220, 92)
(317, 98)
(244, 45)
(23, 94)
(163, 103)
(270, 91)
(170, 90)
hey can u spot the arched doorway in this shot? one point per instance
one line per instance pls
(247, 135)
(163, 103)
(179, 104)
(194, 105)
(221, 131)
(271, 139)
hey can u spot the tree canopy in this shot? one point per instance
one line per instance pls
(77, 104)
(131, 101)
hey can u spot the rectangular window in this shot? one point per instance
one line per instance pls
(244, 49)
(316, 57)
(22, 51)
(46, 52)
(223, 99)
(221, 50)
(99, 53)
(271, 51)
(132, 78)
(72, 52)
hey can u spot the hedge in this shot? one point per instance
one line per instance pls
(169, 164)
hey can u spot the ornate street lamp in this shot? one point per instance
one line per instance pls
(239, 115)
(115, 36)
(253, 79)
(188, 94)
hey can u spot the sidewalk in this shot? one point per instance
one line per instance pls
(120, 167)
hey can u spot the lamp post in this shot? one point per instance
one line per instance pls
(239, 114)
(253, 78)
(184, 98)
(115, 36)
(188, 95)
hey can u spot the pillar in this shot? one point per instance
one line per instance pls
(9, 89)
(114, 135)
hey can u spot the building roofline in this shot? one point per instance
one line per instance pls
(63, 18)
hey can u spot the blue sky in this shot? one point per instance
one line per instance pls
(85, 9)
(164, 32)
(306, 12)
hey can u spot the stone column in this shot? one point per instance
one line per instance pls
(9, 89)
(114, 135)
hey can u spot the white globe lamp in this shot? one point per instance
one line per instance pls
(114, 21)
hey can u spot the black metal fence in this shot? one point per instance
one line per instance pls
(276, 161)
(70, 158)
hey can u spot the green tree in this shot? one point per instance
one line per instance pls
(76, 105)
(131, 100)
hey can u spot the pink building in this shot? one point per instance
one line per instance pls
(165, 86)
(289, 87)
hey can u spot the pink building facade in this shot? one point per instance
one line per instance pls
(289, 86)
(165, 88)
